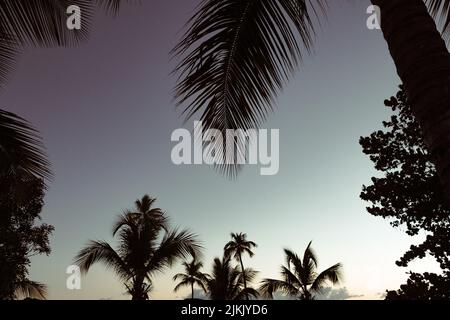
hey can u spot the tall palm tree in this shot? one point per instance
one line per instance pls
(192, 276)
(237, 247)
(227, 282)
(236, 55)
(300, 278)
(140, 255)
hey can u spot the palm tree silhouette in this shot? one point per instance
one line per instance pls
(236, 55)
(227, 282)
(192, 276)
(140, 255)
(300, 277)
(237, 247)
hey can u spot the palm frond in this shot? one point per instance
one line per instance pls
(293, 259)
(113, 6)
(8, 55)
(309, 265)
(31, 289)
(44, 22)
(181, 284)
(332, 274)
(270, 286)
(246, 294)
(291, 278)
(235, 57)
(440, 10)
(21, 148)
(174, 245)
(100, 251)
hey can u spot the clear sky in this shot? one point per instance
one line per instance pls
(106, 113)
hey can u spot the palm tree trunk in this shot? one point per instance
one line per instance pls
(192, 291)
(243, 273)
(423, 64)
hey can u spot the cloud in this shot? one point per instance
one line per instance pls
(327, 294)
(337, 294)
(198, 294)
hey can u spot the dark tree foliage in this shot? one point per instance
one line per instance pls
(21, 201)
(410, 195)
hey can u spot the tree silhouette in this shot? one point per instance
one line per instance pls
(410, 194)
(140, 255)
(192, 276)
(227, 282)
(21, 202)
(236, 55)
(237, 247)
(300, 278)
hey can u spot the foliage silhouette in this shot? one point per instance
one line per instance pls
(227, 282)
(409, 194)
(146, 246)
(300, 278)
(236, 55)
(192, 276)
(21, 202)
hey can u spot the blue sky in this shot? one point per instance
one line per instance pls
(106, 113)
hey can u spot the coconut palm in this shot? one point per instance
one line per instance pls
(192, 276)
(300, 278)
(140, 256)
(236, 55)
(238, 246)
(227, 282)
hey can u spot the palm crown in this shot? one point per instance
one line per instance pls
(227, 282)
(192, 276)
(140, 255)
(300, 278)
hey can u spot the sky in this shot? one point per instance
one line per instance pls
(105, 110)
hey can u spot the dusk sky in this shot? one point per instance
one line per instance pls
(106, 113)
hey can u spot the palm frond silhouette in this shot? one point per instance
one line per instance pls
(21, 148)
(236, 56)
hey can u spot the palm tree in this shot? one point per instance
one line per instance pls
(237, 247)
(227, 282)
(140, 255)
(236, 55)
(300, 277)
(192, 276)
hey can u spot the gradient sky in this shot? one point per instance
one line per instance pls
(106, 113)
